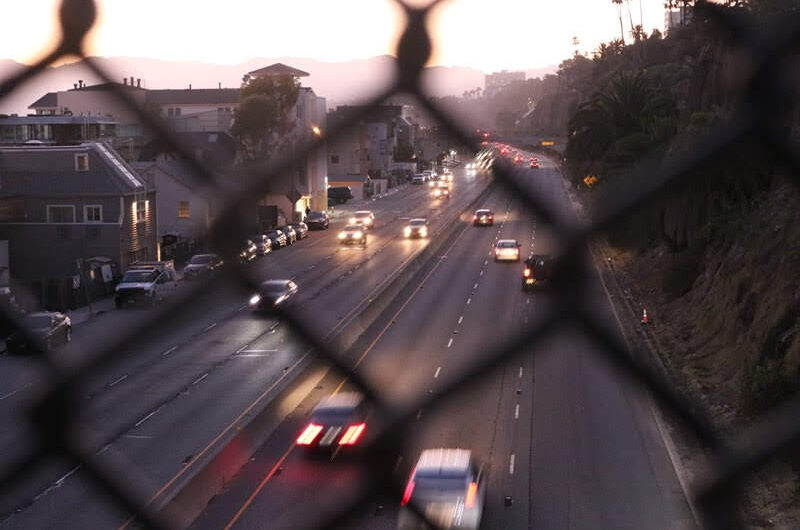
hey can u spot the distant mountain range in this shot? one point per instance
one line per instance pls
(341, 83)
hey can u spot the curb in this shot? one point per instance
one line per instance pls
(185, 500)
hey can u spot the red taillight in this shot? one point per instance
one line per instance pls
(472, 492)
(407, 493)
(526, 273)
(310, 434)
(352, 434)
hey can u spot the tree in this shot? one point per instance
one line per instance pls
(262, 120)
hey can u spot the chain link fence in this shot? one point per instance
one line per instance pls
(758, 119)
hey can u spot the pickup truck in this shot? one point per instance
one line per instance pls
(146, 282)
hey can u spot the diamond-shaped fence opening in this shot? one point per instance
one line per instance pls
(59, 425)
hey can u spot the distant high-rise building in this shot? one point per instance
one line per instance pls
(494, 82)
(674, 18)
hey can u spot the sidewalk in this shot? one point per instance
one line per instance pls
(98, 307)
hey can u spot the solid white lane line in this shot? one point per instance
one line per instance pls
(240, 350)
(450, 342)
(437, 372)
(460, 319)
(169, 351)
(516, 412)
(121, 379)
(65, 477)
(511, 465)
(136, 436)
(14, 392)
(200, 378)
(242, 355)
(147, 417)
(209, 327)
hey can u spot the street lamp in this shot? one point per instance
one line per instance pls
(317, 131)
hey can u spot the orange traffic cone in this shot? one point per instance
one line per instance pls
(645, 318)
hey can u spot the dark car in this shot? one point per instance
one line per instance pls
(339, 194)
(273, 293)
(301, 229)
(249, 251)
(537, 272)
(263, 244)
(51, 328)
(291, 235)
(317, 220)
(483, 217)
(337, 422)
(277, 238)
(201, 266)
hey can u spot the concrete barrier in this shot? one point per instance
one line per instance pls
(187, 497)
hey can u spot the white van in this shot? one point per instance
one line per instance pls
(146, 282)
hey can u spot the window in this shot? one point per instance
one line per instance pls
(82, 162)
(183, 210)
(93, 213)
(60, 214)
(334, 159)
(141, 211)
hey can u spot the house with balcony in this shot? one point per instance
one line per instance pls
(75, 217)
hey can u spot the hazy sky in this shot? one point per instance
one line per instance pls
(485, 34)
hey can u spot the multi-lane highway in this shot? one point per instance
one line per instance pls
(206, 370)
(571, 444)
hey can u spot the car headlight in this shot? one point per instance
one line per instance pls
(255, 299)
(407, 231)
(342, 235)
(423, 231)
(352, 220)
(358, 235)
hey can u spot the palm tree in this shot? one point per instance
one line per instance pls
(618, 3)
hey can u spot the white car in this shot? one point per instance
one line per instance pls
(447, 486)
(363, 218)
(507, 250)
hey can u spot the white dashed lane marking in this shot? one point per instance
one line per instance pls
(516, 412)
(511, 465)
(460, 319)
(437, 372)
(450, 343)
(169, 351)
(118, 380)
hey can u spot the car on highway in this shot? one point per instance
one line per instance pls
(440, 192)
(353, 234)
(429, 174)
(363, 218)
(448, 175)
(534, 162)
(248, 251)
(338, 422)
(448, 486)
(483, 217)
(317, 220)
(291, 235)
(537, 272)
(277, 238)
(273, 293)
(51, 328)
(263, 244)
(419, 178)
(417, 227)
(507, 250)
(300, 228)
(201, 266)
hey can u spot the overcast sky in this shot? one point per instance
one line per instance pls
(485, 34)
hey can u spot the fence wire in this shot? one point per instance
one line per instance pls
(757, 119)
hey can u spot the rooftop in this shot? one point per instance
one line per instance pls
(278, 69)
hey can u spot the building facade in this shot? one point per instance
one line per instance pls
(74, 217)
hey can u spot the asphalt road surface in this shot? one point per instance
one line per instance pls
(569, 441)
(176, 391)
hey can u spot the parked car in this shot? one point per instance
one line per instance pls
(52, 329)
(249, 251)
(201, 266)
(339, 194)
(301, 229)
(273, 293)
(317, 220)
(291, 235)
(146, 282)
(263, 244)
(277, 238)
